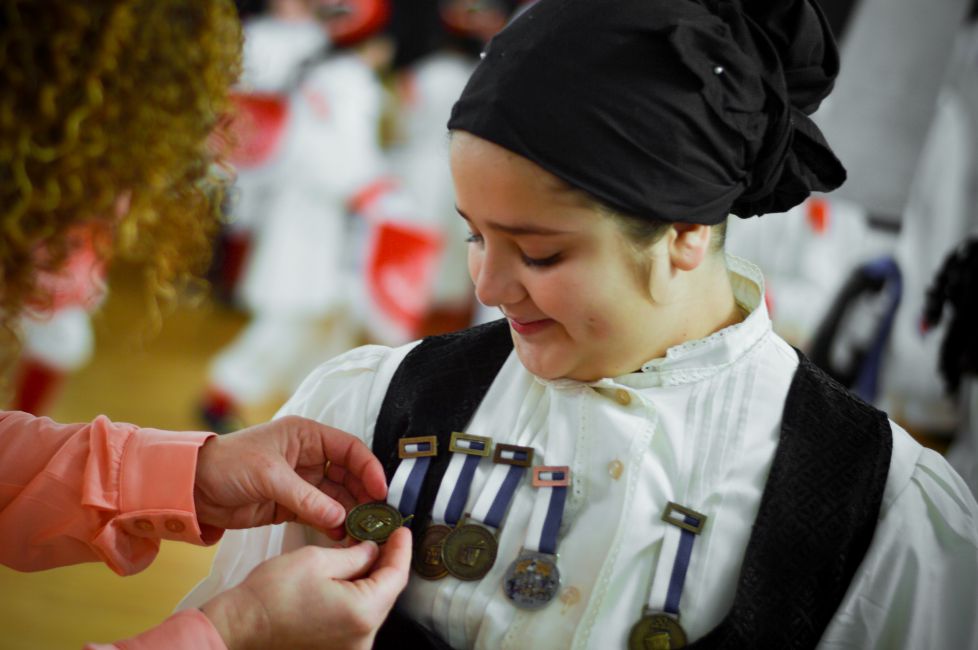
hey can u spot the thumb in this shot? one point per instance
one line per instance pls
(390, 575)
(349, 563)
(308, 503)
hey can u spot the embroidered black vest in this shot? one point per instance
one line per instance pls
(817, 514)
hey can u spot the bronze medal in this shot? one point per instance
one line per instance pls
(658, 631)
(373, 522)
(469, 551)
(532, 580)
(427, 556)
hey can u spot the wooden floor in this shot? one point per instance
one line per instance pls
(152, 383)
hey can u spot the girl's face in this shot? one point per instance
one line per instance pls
(562, 273)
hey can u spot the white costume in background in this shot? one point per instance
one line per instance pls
(59, 338)
(942, 211)
(805, 261)
(298, 280)
(938, 218)
(274, 48)
(421, 161)
(272, 53)
(63, 340)
(700, 427)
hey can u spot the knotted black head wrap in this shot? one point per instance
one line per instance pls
(673, 110)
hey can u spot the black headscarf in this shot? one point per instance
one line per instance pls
(673, 110)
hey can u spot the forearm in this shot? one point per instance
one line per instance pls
(96, 491)
(188, 629)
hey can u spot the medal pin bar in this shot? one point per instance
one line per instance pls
(469, 551)
(467, 451)
(376, 521)
(659, 627)
(533, 579)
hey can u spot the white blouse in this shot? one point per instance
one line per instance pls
(698, 427)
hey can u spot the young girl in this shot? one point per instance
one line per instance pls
(665, 470)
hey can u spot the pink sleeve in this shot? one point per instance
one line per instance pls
(100, 491)
(186, 629)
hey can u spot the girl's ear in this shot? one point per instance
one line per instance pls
(688, 245)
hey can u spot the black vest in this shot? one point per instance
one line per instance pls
(817, 515)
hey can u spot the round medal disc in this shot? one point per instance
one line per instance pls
(532, 580)
(373, 522)
(469, 551)
(427, 556)
(657, 632)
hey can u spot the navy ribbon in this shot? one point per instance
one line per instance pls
(498, 508)
(555, 513)
(412, 488)
(679, 568)
(456, 503)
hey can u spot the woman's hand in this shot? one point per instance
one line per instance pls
(288, 469)
(314, 597)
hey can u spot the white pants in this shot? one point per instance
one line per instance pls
(63, 340)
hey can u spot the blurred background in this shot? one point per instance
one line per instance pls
(340, 230)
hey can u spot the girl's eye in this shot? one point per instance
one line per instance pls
(545, 261)
(473, 238)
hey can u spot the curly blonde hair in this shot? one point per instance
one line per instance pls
(104, 99)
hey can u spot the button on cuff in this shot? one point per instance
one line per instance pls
(166, 524)
(175, 526)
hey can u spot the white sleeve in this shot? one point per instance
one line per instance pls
(346, 393)
(917, 587)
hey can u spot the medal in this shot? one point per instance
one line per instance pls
(532, 580)
(467, 451)
(377, 520)
(469, 551)
(427, 555)
(373, 522)
(656, 631)
(659, 626)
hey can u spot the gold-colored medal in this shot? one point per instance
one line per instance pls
(657, 631)
(427, 555)
(469, 551)
(373, 521)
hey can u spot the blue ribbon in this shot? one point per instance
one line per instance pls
(412, 488)
(498, 508)
(555, 512)
(456, 503)
(680, 567)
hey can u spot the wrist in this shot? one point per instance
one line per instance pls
(201, 510)
(240, 626)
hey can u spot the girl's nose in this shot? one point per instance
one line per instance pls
(496, 279)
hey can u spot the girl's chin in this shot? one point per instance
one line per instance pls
(538, 364)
